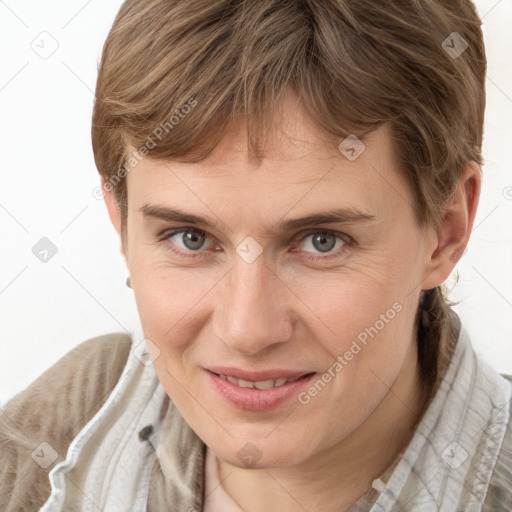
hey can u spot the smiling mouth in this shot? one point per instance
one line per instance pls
(261, 384)
(274, 388)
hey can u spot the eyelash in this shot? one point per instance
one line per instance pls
(347, 241)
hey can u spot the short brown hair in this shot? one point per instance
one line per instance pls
(354, 64)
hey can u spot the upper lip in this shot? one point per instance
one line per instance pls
(257, 376)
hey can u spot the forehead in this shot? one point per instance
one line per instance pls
(302, 168)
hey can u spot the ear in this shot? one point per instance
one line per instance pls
(447, 244)
(113, 212)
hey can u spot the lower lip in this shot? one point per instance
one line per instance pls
(257, 399)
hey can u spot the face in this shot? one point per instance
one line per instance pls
(247, 293)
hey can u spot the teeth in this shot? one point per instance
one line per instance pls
(262, 384)
(267, 384)
(231, 379)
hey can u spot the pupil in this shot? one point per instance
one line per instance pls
(192, 240)
(322, 239)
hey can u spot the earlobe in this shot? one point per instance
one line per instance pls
(450, 240)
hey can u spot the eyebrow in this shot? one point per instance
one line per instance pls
(337, 215)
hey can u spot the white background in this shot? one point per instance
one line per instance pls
(48, 177)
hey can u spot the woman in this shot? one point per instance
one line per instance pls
(292, 183)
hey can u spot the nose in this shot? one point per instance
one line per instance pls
(253, 312)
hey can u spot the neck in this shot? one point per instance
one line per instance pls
(334, 479)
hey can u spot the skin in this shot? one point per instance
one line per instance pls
(284, 310)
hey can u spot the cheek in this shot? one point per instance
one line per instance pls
(164, 291)
(366, 318)
(363, 321)
(364, 336)
(169, 303)
(348, 301)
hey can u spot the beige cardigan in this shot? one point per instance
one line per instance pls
(57, 405)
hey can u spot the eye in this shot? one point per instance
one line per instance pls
(330, 243)
(187, 240)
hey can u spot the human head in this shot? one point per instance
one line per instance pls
(187, 69)
(175, 76)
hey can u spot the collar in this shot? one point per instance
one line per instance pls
(451, 456)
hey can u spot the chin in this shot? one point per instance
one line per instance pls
(261, 454)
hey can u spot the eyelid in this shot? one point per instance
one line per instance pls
(303, 234)
(166, 235)
(347, 241)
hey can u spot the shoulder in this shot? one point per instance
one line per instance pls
(52, 410)
(74, 387)
(499, 494)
